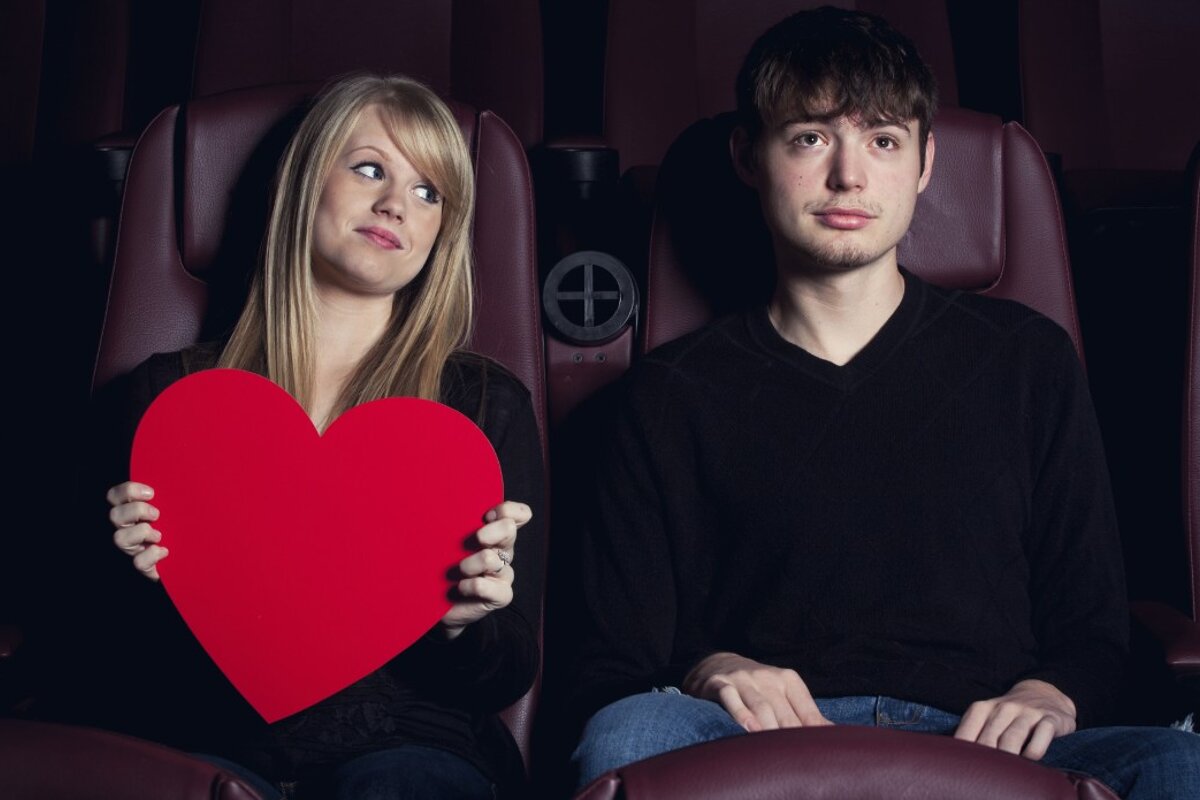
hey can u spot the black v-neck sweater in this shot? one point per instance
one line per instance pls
(931, 521)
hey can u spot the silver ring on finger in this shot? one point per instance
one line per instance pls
(505, 558)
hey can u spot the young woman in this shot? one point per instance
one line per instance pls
(364, 292)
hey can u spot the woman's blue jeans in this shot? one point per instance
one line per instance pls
(1138, 763)
(411, 772)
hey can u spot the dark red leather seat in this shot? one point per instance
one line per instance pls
(1099, 90)
(1177, 632)
(58, 762)
(1098, 82)
(21, 64)
(848, 761)
(672, 62)
(486, 54)
(1191, 466)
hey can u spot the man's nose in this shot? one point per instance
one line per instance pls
(846, 169)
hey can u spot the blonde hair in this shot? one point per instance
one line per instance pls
(431, 316)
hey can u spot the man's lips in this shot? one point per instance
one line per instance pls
(381, 237)
(846, 219)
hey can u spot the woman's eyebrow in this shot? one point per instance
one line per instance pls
(381, 153)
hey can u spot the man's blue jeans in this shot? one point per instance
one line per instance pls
(1138, 763)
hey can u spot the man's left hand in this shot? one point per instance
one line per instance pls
(1024, 721)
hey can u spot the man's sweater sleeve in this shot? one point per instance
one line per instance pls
(1077, 584)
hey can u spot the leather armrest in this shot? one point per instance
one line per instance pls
(58, 762)
(842, 761)
(1178, 634)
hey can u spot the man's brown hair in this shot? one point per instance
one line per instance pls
(831, 62)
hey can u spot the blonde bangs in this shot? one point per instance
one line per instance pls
(426, 134)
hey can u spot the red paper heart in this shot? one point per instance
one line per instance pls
(302, 562)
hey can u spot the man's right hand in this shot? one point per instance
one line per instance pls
(759, 697)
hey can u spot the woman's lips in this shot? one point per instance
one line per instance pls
(381, 237)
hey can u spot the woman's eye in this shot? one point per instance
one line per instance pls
(369, 169)
(428, 194)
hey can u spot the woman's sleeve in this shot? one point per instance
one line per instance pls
(494, 661)
(112, 623)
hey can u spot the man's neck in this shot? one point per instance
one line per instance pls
(834, 315)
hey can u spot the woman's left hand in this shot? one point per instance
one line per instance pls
(486, 576)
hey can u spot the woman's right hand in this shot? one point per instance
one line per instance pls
(132, 516)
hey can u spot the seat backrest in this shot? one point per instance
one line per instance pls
(486, 53)
(106, 68)
(988, 222)
(1096, 86)
(21, 65)
(1094, 94)
(1191, 408)
(193, 215)
(671, 62)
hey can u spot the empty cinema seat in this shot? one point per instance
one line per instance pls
(485, 53)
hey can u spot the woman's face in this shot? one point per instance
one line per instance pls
(377, 218)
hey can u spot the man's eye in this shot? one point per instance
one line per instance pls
(808, 139)
(369, 169)
(885, 143)
(428, 194)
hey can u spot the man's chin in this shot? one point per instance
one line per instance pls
(839, 260)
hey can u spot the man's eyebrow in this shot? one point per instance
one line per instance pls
(794, 122)
(904, 125)
(869, 124)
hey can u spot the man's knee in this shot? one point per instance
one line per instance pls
(645, 725)
(1136, 762)
(1174, 757)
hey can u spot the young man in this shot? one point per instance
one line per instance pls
(872, 501)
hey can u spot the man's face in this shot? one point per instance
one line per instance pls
(837, 194)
